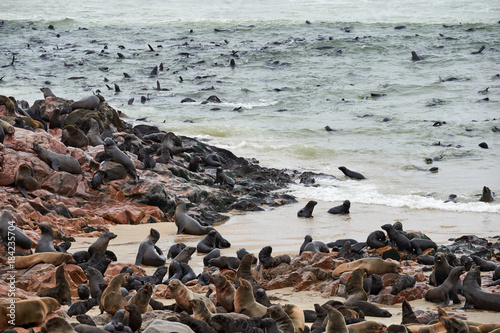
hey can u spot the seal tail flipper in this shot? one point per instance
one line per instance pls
(23, 191)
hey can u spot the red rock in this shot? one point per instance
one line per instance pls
(283, 281)
(161, 291)
(114, 269)
(325, 262)
(308, 279)
(389, 278)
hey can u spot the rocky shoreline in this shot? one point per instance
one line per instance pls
(211, 180)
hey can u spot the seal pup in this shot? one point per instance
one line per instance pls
(83, 291)
(97, 179)
(185, 223)
(185, 254)
(57, 161)
(149, 254)
(57, 325)
(487, 195)
(61, 292)
(74, 137)
(174, 250)
(88, 103)
(283, 322)
(419, 245)
(351, 174)
(307, 210)
(267, 261)
(95, 278)
(112, 153)
(244, 301)
(313, 246)
(111, 298)
(441, 270)
(8, 228)
(94, 134)
(475, 296)
(297, 316)
(28, 311)
(46, 241)
(25, 180)
(133, 317)
(80, 308)
(142, 297)
(485, 265)
(371, 265)
(207, 244)
(182, 295)
(101, 244)
(447, 290)
(398, 239)
(342, 209)
(224, 291)
(401, 283)
(222, 178)
(376, 239)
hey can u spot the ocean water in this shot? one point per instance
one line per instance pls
(348, 67)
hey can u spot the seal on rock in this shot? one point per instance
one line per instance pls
(46, 241)
(28, 311)
(94, 134)
(419, 245)
(25, 179)
(61, 292)
(342, 209)
(10, 233)
(74, 137)
(54, 258)
(370, 265)
(313, 246)
(376, 239)
(149, 254)
(398, 239)
(88, 103)
(267, 261)
(307, 210)
(113, 153)
(185, 223)
(58, 162)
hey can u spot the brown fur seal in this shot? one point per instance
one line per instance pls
(61, 292)
(149, 254)
(283, 322)
(185, 223)
(57, 325)
(94, 134)
(408, 316)
(224, 291)
(113, 153)
(88, 103)
(54, 258)
(27, 311)
(8, 129)
(370, 265)
(454, 325)
(366, 327)
(10, 233)
(354, 285)
(224, 262)
(142, 297)
(133, 317)
(185, 254)
(475, 296)
(46, 241)
(25, 179)
(55, 119)
(245, 270)
(307, 210)
(487, 196)
(336, 322)
(47, 92)
(351, 174)
(111, 298)
(74, 137)
(267, 261)
(447, 290)
(101, 244)
(182, 295)
(58, 162)
(297, 316)
(441, 270)
(244, 301)
(207, 244)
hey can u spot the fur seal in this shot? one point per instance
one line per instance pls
(185, 255)
(79, 308)
(174, 272)
(175, 249)
(267, 261)
(149, 254)
(487, 196)
(441, 270)
(376, 239)
(94, 134)
(313, 246)
(415, 56)
(335, 322)
(25, 179)
(485, 265)
(194, 164)
(283, 322)
(351, 174)
(224, 262)
(142, 297)
(113, 153)
(297, 316)
(28, 311)
(54, 258)
(401, 283)
(354, 285)
(222, 178)
(398, 239)
(370, 265)
(46, 241)
(419, 245)
(447, 290)
(224, 291)
(245, 270)
(408, 316)
(55, 120)
(182, 295)
(373, 284)
(88, 103)
(74, 137)
(212, 254)
(95, 278)
(342, 209)
(57, 325)
(207, 244)
(185, 223)
(244, 301)
(83, 291)
(101, 244)
(10, 233)
(47, 92)
(188, 273)
(111, 298)
(475, 296)
(307, 210)
(133, 317)
(157, 276)
(58, 162)
(61, 292)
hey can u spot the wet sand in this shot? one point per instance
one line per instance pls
(284, 231)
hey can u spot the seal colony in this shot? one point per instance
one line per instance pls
(240, 285)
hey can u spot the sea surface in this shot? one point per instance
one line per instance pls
(298, 66)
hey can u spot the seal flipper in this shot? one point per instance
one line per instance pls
(446, 300)
(23, 191)
(160, 252)
(139, 257)
(55, 165)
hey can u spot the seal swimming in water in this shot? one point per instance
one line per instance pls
(8, 228)
(25, 179)
(113, 153)
(185, 223)
(487, 196)
(351, 174)
(58, 162)
(307, 210)
(342, 209)
(149, 254)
